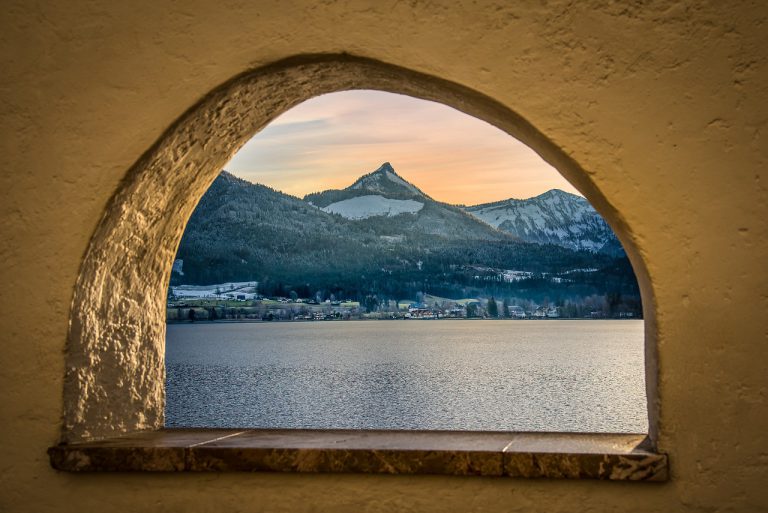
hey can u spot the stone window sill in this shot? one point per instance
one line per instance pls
(523, 455)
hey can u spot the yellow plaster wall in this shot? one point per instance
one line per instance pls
(664, 104)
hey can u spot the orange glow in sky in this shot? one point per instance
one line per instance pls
(331, 140)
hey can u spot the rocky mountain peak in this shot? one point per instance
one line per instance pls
(384, 168)
(386, 181)
(557, 193)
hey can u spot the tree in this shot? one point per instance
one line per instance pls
(613, 300)
(471, 310)
(505, 308)
(191, 315)
(493, 308)
(370, 303)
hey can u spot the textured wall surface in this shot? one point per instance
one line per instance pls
(656, 110)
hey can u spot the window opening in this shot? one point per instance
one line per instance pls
(463, 284)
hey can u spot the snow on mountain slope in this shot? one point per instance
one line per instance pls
(363, 207)
(385, 180)
(555, 217)
(383, 194)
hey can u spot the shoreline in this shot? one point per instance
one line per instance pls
(277, 321)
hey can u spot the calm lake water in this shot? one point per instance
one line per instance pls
(456, 375)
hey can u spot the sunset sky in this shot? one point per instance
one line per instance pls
(329, 141)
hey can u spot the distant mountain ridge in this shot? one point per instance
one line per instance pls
(554, 217)
(382, 237)
(400, 205)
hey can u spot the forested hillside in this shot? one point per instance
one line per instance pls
(247, 232)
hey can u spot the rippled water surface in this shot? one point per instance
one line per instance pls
(468, 375)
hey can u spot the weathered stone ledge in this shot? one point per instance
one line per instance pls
(525, 455)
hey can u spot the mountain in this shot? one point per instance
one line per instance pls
(383, 182)
(387, 182)
(555, 217)
(248, 232)
(244, 230)
(388, 202)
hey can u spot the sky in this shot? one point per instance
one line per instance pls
(329, 141)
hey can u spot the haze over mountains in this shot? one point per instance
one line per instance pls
(383, 235)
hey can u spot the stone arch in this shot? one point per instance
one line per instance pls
(115, 355)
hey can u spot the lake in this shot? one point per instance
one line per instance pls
(485, 375)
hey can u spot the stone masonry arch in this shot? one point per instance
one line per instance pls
(115, 355)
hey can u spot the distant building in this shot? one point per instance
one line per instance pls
(422, 313)
(517, 312)
(456, 311)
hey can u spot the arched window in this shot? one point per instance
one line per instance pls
(115, 367)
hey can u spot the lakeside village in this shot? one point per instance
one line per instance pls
(241, 301)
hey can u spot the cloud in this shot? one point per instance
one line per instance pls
(330, 140)
(291, 129)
